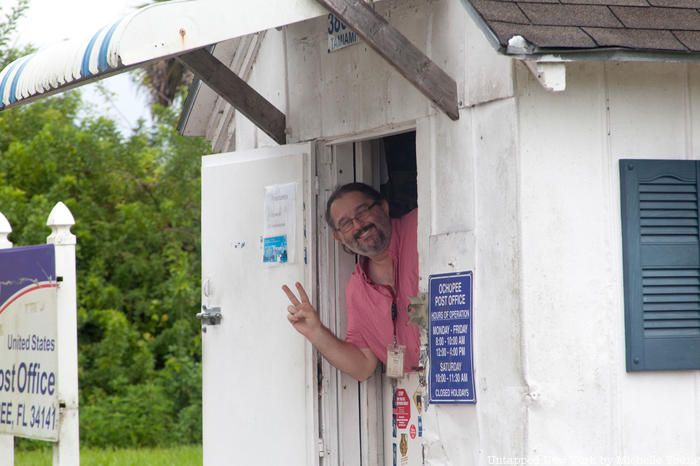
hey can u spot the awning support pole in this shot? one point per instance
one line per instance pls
(237, 92)
(396, 49)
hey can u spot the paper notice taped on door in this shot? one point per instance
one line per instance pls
(280, 224)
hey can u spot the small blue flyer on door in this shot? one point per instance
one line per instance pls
(275, 250)
(280, 224)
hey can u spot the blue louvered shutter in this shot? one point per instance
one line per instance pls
(661, 263)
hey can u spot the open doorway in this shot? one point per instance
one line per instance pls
(398, 180)
(353, 416)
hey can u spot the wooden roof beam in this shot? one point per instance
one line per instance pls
(237, 92)
(413, 64)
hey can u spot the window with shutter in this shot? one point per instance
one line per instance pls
(661, 254)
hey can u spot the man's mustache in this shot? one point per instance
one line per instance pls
(360, 232)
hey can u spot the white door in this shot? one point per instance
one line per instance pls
(259, 388)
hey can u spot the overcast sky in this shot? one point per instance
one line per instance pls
(50, 21)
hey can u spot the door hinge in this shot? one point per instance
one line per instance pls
(326, 156)
(321, 448)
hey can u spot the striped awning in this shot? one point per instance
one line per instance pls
(149, 34)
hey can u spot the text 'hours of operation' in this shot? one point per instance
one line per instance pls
(450, 331)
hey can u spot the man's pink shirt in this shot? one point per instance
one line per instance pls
(369, 305)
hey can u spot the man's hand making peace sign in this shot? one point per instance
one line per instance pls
(302, 314)
(359, 363)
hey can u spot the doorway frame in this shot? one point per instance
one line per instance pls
(352, 415)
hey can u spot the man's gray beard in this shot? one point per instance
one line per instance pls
(381, 245)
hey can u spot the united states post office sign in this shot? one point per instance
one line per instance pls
(28, 350)
(450, 329)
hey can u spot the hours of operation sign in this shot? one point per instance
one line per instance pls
(450, 331)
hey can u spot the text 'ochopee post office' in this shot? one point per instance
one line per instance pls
(552, 150)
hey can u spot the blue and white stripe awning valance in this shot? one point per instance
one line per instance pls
(61, 65)
(149, 34)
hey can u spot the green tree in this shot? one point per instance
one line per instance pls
(137, 209)
(7, 27)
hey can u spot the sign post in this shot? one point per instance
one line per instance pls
(7, 442)
(66, 452)
(38, 341)
(450, 331)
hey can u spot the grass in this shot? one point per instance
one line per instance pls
(176, 456)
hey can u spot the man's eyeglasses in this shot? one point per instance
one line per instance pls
(345, 225)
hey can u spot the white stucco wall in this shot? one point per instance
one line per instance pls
(523, 190)
(353, 90)
(581, 400)
(267, 77)
(467, 181)
(472, 224)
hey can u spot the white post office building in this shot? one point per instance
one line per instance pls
(552, 148)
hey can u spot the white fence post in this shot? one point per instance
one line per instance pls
(67, 451)
(5, 229)
(7, 442)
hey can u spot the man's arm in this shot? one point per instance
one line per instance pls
(358, 363)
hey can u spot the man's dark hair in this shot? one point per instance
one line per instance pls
(340, 191)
